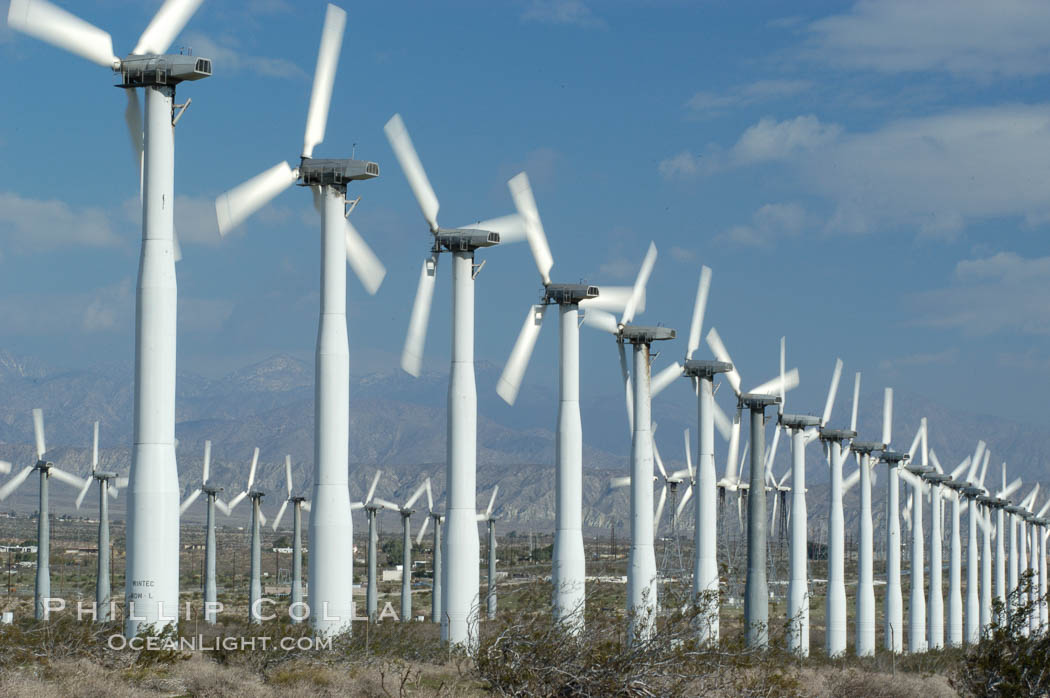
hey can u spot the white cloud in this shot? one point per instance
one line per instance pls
(775, 140)
(703, 103)
(962, 37)
(36, 314)
(1001, 293)
(232, 60)
(618, 269)
(562, 12)
(937, 358)
(679, 166)
(682, 254)
(768, 223)
(203, 315)
(30, 225)
(934, 174)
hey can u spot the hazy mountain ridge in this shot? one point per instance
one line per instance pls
(398, 424)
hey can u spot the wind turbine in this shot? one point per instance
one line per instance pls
(258, 520)
(459, 623)
(102, 587)
(917, 625)
(212, 492)
(833, 440)
(435, 583)
(641, 568)
(705, 510)
(371, 507)
(331, 527)
(972, 627)
(406, 512)
(153, 522)
(935, 605)
(1001, 503)
(47, 469)
(756, 600)
(490, 521)
(568, 562)
(299, 503)
(894, 611)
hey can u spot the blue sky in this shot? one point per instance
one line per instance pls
(870, 180)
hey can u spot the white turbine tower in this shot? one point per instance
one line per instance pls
(568, 562)
(913, 475)
(836, 452)
(371, 507)
(641, 567)
(756, 601)
(102, 587)
(1001, 592)
(152, 573)
(935, 604)
(296, 609)
(258, 520)
(893, 605)
(459, 623)
(331, 529)
(212, 492)
(490, 521)
(47, 469)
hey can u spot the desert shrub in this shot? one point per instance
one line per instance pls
(1010, 662)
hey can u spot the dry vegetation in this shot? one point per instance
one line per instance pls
(521, 654)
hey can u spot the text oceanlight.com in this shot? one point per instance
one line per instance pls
(199, 643)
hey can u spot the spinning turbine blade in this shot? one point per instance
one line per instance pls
(925, 442)
(628, 393)
(664, 378)
(189, 501)
(372, 488)
(5, 467)
(386, 504)
(975, 463)
(38, 432)
(699, 307)
(94, 450)
(236, 500)
(618, 482)
(639, 284)
(936, 462)
(412, 355)
(222, 506)
(511, 228)
(207, 462)
(367, 267)
(722, 423)
(600, 319)
(251, 473)
(714, 341)
(280, 514)
(12, 484)
(685, 498)
(399, 139)
(521, 192)
(59, 28)
(233, 207)
(833, 389)
(120, 482)
(165, 26)
(510, 380)
(84, 491)
(1009, 489)
(734, 448)
(783, 363)
(887, 416)
(430, 497)
(422, 530)
(688, 454)
(657, 458)
(773, 387)
(262, 517)
(68, 478)
(856, 400)
(613, 299)
(492, 501)
(659, 509)
(324, 78)
(288, 473)
(415, 495)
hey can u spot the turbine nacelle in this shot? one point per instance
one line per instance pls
(640, 334)
(867, 447)
(705, 369)
(208, 489)
(464, 239)
(334, 171)
(920, 470)
(894, 458)
(935, 478)
(166, 69)
(836, 435)
(568, 294)
(800, 421)
(758, 401)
